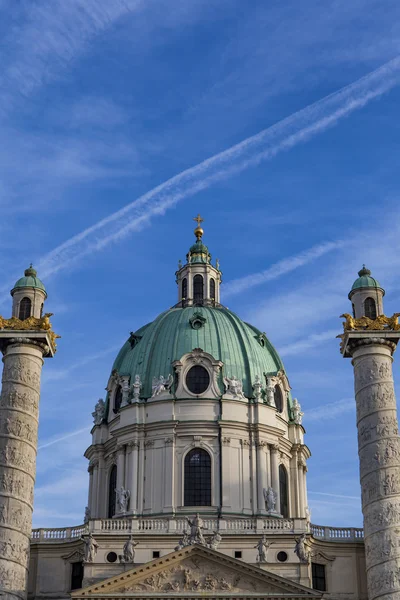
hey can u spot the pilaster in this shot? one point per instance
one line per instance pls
(274, 448)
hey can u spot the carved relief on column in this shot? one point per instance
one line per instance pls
(379, 452)
(19, 404)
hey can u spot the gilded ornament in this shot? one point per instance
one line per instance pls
(366, 324)
(31, 324)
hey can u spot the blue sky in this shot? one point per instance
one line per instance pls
(108, 111)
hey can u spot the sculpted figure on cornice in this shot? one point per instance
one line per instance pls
(91, 547)
(183, 542)
(262, 546)
(99, 412)
(196, 530)
(270, 391)
(257, 387)
(233, 387)
(123, 496)
(301, 549)
(270, 498)
(128, 552)
(161, 385)
(136, 387)
(297, 414)
(214, 541)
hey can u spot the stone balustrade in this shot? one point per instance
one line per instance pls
(234, 526)
(340, 534)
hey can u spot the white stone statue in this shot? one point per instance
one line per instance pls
(196, 533)
(270, 497)
(234, 387)
(214, 541)
(99, 412)
(90, 548)
(262, 547)
(183, 542)
(87, 515)
(123, 496)
(257, 387)
(308, 517)
(270, 391)
(301, 549)
(128, 552)
(161, 385)
(217, 264)
(136, 387)
(297, 415)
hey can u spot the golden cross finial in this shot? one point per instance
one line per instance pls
(198, 219)
(198, 232)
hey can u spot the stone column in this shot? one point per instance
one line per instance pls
(132, 475)
(19, 411)
(379, 453)
(169, 475)
(261, 476)
(95, 489)
(275, 475)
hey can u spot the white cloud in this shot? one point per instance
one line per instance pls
(296, 129)
(280, 268)
(308, 343)
(66, 436)
(330, 411)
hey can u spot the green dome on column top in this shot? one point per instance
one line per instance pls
(365, 281)
(30, 280)
(244, 350)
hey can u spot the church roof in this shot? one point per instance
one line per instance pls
(365, 281)
(245, 351)
(197, 572)
(30, 280)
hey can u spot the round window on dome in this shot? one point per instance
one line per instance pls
(197, 379)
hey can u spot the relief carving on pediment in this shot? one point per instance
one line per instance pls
(197, 574)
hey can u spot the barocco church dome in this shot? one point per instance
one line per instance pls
(197, 463)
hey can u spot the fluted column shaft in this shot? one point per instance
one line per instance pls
(19, 410)
(379, 454)
(132, 475)
(261, 476)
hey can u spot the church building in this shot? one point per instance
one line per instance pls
(197, 467)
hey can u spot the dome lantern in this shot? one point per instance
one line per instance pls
(366, 295)
(198, 280)
(29, 295)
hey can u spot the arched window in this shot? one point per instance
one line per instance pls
(41, 310)
(25, 309)
(184, 289)
(212, 289)
(278, 398)
(354, 310)
(197, 478)
(198, 293)
(117, 399)
(283, 491)
(370, 308)
(112, 486)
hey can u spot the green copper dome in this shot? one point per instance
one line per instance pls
(244, 350)
(199, 253)
(365, 281)
(30, 280)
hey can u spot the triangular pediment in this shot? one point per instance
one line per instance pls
(196, 571)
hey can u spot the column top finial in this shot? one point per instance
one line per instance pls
(198, 232)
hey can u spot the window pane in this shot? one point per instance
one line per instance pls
(283, 491)
(112, 484)
(198, 288)
(184, 289)
(212, 289)
(117, 399)
(318, 577)
(370, 308)
(278, 398)
(197, 478)
(25, 309)
(197, 379)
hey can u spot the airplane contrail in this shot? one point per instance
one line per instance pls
(284, 135)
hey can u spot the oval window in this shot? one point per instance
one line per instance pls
(197, 379)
